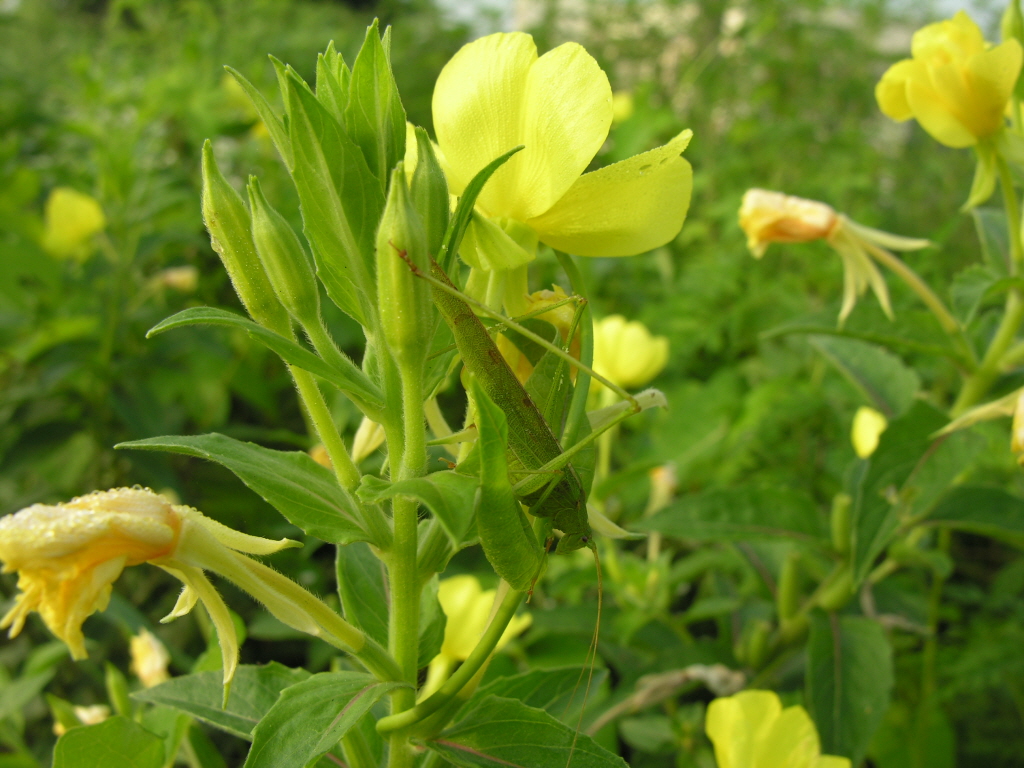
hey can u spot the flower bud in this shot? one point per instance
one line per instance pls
(228, 223)
(627, 353)
(403, 298)
(429, 191)
(787, 596)
(287, 266)
(149, 659)
(840, 522)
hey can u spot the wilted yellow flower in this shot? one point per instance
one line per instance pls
(560, 316)
(90, 715)
(67, 557)
(71, 219)
(496, 94)
(773, 217)
(369, 437)
(182, 279)
(626, 352)
(752, 730)
(468, 608)
(868, 426)
(149, 659)
(956, 85)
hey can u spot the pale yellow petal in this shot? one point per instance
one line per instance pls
(868, 426)
(891, 91)
(487, 246)
(958, 37)
(991, 76)
(736, 725)
(791, 742)
(478, 105)
(625, 208)
(568, 111)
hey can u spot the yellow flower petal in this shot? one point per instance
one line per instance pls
(831, 761)
(71, 219)
(738, 723)
(478, 105)
(932, 112)
(487, 246)
(991, 76)
(791, 742)
(957, 37)
(891, 91)
(625, 208)
(566, 117)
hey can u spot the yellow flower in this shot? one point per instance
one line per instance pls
(956, 85)
(468, 608)
(369, 437)
(67, 557)
(752, 730)
(868, 426)
(149, 659)
(182, 279)
(496, 94)
(622, 107)
(71, 219)
(90, 715)
(773, 217)
(626, 352)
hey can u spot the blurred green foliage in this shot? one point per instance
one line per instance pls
(114, 100)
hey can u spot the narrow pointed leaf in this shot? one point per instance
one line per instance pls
(307, 494)
(449, 495)
(275, 126)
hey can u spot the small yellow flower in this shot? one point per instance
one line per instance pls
(67, 557)
(468, 608)
(71, 220)
(868, 426)
(956, 85)
(752, 730)
(149, 659)
(626, 352)
(90, 715)
(182, 279)
(773, 217)
(369, 437)
(496, 94)
(622, 107)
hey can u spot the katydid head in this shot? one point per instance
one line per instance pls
(570, 542)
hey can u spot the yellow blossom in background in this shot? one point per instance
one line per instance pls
(774, 217)
(496, 94)
(626, 352)
(182, 279)
(622, 107)
(468, 607)
(956, 86)
(868, 426)
(149, 659)
(752, 730)
(318, 453)
(67, 557)
(71, 219)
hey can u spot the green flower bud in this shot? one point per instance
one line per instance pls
(753, 646)
(787, 599)
(287, 266)
(228, 222)
(403, 298)
(841, 523)
(1012, 24)
(838, 593)
(430, 193)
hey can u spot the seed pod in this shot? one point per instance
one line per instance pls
(841, 523)
(287, 266)
(788, 594)
(403, 298)
(430, 193)
(229, 225)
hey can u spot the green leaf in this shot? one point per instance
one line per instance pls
(307, 494)
(553, 690)
(432, 623)
(341, 202)
(448, 494)
(903, 479)
(985, 511)
(332, 81)
(350, 380)
(310, 717)
(970, 287)
(985, 176)
(464, 210)
(117, 742)
(17, 693)
(362, 587)
(506, 732)
(881, 376)
(995, 244)
(275, 126)
(849, 681)
(375, 117)
(253, 692)
(735, 514)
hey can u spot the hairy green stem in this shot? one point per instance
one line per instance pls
(346, 472)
